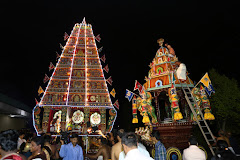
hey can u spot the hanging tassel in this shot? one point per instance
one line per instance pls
(134, 120)
(198, 117)
(208, 115)
(134, 110)
(178, 116)
(145, 118)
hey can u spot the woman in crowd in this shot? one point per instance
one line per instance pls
(36, 146)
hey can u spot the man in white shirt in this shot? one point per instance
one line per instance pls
(193, 152)
(140, 147)
(181, 71)
(130, 148)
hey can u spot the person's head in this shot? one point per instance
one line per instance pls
(103, 141)
(74, 139)
(37, 144)
(155, 136)
(110, 136)
(178, 63)
(47, 139)
(192, 141)
(120, 133)
(221, 133)
(21, 135)
(129, 142)
(8, 140)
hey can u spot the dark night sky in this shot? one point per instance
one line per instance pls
(204, 35)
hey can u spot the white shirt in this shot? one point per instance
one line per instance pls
(181, 71)
(20, 141)
(135, 154)
(141, 148)
(193, 153)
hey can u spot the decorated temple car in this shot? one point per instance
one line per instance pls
(163, 104)
(76, 98)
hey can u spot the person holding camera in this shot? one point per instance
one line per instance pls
(71, 151)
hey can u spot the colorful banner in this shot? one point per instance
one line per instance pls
(58, 56)
(103, 58)
(113, 92)
(98, 38)
(61, 46)
(46, 78)
(100, 49)
(129, 95)
(109, 80)
(116, 104)
(65, 36)
(134, 110)
(51, 66)
(206, 80)
(40, 90)
(36, 101)
(209, 90)
(138, 86)
(106, 68)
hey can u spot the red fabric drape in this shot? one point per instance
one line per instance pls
(50, 119)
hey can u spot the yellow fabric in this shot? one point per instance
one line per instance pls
(145, 119)
(198, 117)
(205, 80)
(209, 116)
(178, 116)
(113, 92)
(40, 90)
(135, 120)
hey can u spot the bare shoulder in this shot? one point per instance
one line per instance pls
(117, 145)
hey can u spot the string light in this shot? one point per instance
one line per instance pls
(72, 59)
(86, 66)
(53, 72)
(74, 41)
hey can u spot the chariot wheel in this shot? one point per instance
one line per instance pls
(174, 153)
(201, 147)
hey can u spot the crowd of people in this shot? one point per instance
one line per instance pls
(122, 146)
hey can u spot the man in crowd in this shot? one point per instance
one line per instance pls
(104, 151)
(71, 151)
(140, 147)
(193, 152)
(129, 144)
(160, 150)
(117, 148)
(8, 145)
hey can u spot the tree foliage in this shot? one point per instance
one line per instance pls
(225, 102)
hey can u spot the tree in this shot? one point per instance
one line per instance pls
(225, 102)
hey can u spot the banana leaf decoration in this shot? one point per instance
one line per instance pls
(134, 110)
(206, 105)
(173, 98)
(150, 108)
(196, 94)
(145, 107)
